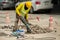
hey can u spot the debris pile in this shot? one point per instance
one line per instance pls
(37, 29)
(10, 27)
(34, 28)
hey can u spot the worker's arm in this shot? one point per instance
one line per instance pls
(18, 9)
(28, 10)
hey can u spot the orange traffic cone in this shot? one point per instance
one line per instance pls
(7, 19)
(51, 23)
(37, 18)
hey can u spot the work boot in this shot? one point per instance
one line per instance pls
(13, 30)
(28, 31)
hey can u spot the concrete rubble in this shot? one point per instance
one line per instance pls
(34, 28)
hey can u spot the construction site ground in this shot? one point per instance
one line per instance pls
(43, 22)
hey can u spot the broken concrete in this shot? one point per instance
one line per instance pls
(34, 28)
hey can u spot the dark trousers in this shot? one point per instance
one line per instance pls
(23, 19)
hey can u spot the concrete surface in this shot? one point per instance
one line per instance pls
(43, 22)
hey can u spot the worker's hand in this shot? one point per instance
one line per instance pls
(19, 14)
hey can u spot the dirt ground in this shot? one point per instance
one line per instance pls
(42, 23)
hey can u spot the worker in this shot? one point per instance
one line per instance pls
(22, 13)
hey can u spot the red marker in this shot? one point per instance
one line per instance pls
(37, 18)
(51, 19)
(51, 23)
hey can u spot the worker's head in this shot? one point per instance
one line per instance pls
(28, 4)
